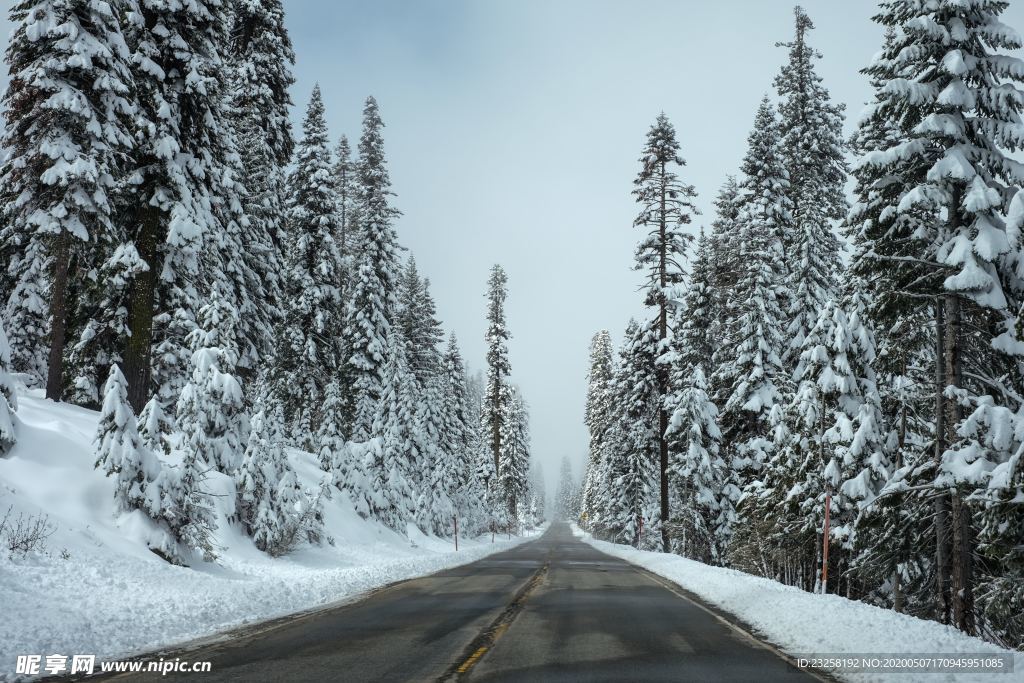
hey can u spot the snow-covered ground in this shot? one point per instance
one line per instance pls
(96, 589)
(802, 623)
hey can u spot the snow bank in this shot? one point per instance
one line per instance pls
(802, 623)
(96, 589)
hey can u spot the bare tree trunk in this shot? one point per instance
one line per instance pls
(661, 372)
(141, 305)
(58, 316)
(963, 537)
(943, 570)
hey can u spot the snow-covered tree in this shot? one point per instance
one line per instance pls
(956, 97)
(8, 397)
(666, 205)
(748, 364)
(155, 427)
(307, 348)
(812, 148)
(395, 464)
(210, 409)
(118, 448)
(565, 494)
(66, 109)
(183, 214)
(598, 417)
(514, 459)
(496, 394)
(347, 191)
(268, 491)
(261, 61)
(373, 299)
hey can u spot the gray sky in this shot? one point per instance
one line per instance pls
(513, 132)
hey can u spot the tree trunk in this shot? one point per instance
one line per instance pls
(58, 316)
(962, 589)
(661, 372)
(943, 570)
(141, 303)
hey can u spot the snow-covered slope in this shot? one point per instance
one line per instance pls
(96, 589)
(802, 623)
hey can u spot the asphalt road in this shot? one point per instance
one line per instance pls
(553, 609)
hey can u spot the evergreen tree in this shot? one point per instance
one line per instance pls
(666, 205)
(632, 446)
(514, 459)
(373, 300)
(330, 438)
(420, 328)
(306, 345)
(184, 211)
(395, 463)
(958, 100)
(495, 405)
(66, 110)
(8, 397)
(267, 488)
(724, 247)
(262, 59)
(119, 450)
(812, 149)
(209, 410)
(749, 366)
(566, 491)
(598, 417)
(347, 191)
(459, 438)
(155, 428)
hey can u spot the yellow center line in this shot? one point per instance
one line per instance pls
(472, 660)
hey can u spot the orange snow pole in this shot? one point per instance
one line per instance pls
(824, 543)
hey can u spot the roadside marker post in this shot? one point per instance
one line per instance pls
(456, 518)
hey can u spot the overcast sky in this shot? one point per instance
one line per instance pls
(513, 132)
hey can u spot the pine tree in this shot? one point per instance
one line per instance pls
(100, 343)
(373, 299)
(209, 410)
(330, 437)
(724, 247)
(812, 149)
(66, 110)
(958, 99)
(459, 438)
(705, 498)
(566, 491)
(306, 343)
(8, 397)
(514, 459)
(420, 328)
(598, 417)
(261, 60)
(496, 394)
(749, 365)
(119, 450)
(268, 491)
(666, 205)
(392, 473)
(155, 428)
(347, 190)
(185, 211)
(631, 482)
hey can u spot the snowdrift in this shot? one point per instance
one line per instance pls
(95, 588)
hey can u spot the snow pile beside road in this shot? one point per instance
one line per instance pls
(96, 589)
(802, 623)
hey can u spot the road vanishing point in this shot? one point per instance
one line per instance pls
(551, 609)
